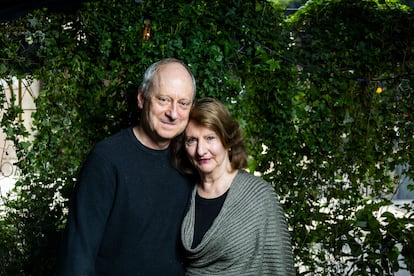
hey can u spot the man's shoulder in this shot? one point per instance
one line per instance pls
(119, 137)
(113, 144)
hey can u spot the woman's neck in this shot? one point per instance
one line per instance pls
(215, 186)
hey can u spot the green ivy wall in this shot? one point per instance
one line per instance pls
(303, 86)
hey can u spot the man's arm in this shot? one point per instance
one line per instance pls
(88, 213)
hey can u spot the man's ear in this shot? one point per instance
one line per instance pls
(140, 98)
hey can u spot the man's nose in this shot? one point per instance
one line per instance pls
(172, 111)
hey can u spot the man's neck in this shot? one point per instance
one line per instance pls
(149, 141)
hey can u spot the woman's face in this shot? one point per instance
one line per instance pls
(205, 149)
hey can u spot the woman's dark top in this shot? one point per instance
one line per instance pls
(206, 211)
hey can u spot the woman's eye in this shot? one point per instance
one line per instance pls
(211, 138)
(190, 141)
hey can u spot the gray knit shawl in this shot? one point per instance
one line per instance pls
(248, 237)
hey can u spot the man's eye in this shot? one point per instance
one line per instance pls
(185, 104)
(163, 100)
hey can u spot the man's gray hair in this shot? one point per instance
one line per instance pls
(149, 74)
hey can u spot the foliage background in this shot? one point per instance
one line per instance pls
(303, 88)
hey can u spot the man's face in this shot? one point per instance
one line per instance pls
(167, 108)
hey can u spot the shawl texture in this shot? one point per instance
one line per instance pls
(248, 237)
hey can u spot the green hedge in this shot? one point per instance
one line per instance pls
(303, 87)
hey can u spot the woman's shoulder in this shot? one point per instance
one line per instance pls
(254, 183)
(255, 191)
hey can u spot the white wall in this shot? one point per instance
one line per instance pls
(25, 93)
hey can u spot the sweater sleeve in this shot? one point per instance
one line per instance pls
(277, 253)
(89, 209)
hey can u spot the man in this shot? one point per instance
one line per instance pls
(125, 216)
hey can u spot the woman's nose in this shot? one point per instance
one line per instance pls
(201, 149)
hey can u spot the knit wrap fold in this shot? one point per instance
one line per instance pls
(248, 237)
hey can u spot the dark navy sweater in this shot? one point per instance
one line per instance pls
(126, 212)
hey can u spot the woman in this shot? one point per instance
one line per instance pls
(235, 224)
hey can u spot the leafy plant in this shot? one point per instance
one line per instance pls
(303, 87)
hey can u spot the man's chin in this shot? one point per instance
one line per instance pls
(169, 134)
(171, 131)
